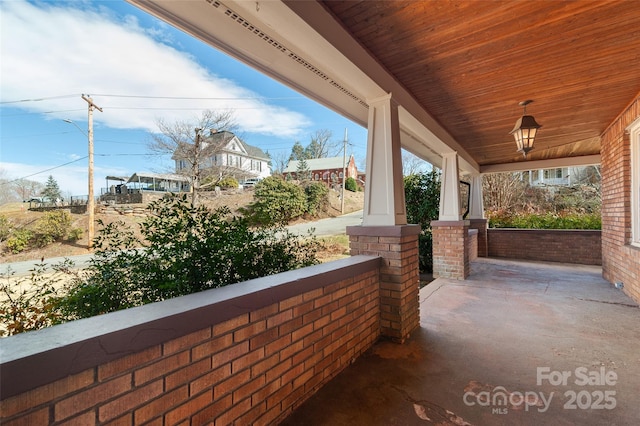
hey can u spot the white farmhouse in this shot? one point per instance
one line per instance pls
(228, 155)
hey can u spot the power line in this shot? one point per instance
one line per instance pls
(182, 108)
(129, 155)
(44, 171)
(39, 112)
(64, 133)
(201, 98)
(39, 99)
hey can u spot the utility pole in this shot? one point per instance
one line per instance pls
(344, 170)
(195, 168)
(91, 201)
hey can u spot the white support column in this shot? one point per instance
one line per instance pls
(384, 203)
(450, 188)
(476, 204)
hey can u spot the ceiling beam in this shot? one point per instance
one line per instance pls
(521, 166)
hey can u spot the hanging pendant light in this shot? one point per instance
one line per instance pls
(525, 130)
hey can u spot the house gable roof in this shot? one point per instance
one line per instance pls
(227, 138)
(248, 150)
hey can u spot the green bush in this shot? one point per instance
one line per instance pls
(53, 226)
(351, 185)
(186, 249)
(228, 182)
(422, 198)
(74, 234)
(19, 241)
(563, 220)
(275, 201)
(317, 198)
(6, 227)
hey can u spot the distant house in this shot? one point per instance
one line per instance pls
(227, 155)
(561, 176)
(328, 170)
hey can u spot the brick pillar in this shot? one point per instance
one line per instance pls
(481, 226)
(399, 274)
(450, 255)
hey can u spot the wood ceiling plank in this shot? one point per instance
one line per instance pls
(469, 63)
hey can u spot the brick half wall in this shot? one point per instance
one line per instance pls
(550, 245)
(248, 353)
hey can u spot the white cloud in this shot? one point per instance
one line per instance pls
(50, 50)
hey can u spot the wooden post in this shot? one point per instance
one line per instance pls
(91, 201)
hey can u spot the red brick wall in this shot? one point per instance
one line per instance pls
(451, 249)
(481, 226)
(399, 274)
(550, 245)
(621, 261)
(253, 368)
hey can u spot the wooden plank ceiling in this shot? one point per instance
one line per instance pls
(470, 63)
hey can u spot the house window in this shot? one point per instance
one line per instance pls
(559, 173)
(634, 131)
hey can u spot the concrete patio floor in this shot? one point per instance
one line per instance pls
(517, 343)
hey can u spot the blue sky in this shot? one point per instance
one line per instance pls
(138, 70)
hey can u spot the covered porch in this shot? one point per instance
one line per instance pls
(475, 358)
(446, 81)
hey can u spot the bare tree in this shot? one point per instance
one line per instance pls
(320, 145)
(17, 189)
(27, 188)
(502, 190)
(6, 193)
(587, 175)
(189, 142)
(279, 162)
(412, 164)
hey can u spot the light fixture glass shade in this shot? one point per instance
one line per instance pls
(524, 133)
